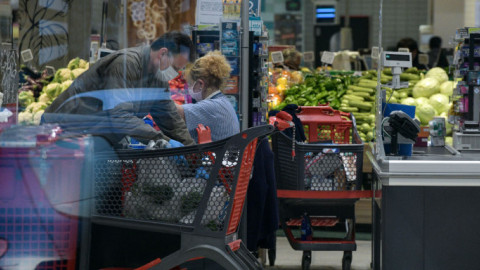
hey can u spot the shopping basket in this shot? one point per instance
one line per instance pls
(197, 192)
(38, 214)
(321, 178)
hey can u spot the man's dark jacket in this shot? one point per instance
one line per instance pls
(119, 110)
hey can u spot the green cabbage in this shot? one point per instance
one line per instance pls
(25, 98)
(446, 88)
(437, 73)
(422, 100)
(440, 103)
(426, 88)
(409, 101)
(425, 113)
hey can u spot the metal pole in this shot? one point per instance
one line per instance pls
(244, 113)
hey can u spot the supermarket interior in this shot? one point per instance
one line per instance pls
(230, 134)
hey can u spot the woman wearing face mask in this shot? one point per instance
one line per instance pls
(206, 78)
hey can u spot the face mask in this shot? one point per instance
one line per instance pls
(167, 74)
(195, 95)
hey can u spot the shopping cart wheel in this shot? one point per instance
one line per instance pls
(306, 259)
(272, 255)
(347, 260)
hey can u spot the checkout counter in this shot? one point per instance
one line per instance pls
(426, 210)
(426, 206)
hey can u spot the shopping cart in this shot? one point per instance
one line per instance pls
(321, 178)
(39, 191)
(197, 192)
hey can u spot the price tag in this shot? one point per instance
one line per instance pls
(308, 57)
(26, 55)
(375, 53)
(277, 57)
(328, 57)
(423, 59)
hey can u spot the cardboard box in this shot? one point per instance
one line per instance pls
(424, 132)
(421, 142)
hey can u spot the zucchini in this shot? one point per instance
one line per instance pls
(348, 109)
(361, 105)
(357, 88)
(352, 97)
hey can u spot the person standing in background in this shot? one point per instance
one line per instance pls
(437, 56)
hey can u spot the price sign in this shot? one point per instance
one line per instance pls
(423, 59)
(375, 53)
(26, 55)
(327, 57)
(308, 57)
(277, 57)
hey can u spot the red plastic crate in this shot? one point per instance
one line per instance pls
(39, 236)
(322, 123)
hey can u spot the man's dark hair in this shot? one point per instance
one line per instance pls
(176, 42)
(435, 42)
(409, 43)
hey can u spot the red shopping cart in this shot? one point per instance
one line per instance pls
(323, 178)
(197, 192)
(40, 185)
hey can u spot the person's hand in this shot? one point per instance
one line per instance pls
(175, 144)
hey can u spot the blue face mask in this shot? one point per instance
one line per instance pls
(195, 95)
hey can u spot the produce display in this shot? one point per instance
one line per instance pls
(33, 108)
(430, 93)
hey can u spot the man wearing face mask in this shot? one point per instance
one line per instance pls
(206, 79)
(116, 92)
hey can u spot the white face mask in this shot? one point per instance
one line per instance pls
(195, 95)
(167, 74)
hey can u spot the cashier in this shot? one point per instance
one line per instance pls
(108, 98)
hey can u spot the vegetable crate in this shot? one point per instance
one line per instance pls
(322, 179)
(34, 183)
(197, 192)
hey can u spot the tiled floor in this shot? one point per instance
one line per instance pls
(289, 259)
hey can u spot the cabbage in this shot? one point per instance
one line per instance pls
(425, 113)
(448, 126)
(25, 98)
(36, 106)
(422, 100)
(409, 101)
(446, 88)
(449, 141)
(426, 88)
(437, 73)
(439, 103)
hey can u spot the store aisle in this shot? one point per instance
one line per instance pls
(289, 259)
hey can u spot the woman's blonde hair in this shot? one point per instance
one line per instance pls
(213, 69)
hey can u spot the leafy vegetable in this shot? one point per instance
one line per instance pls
(437, 73)
(426, 88)
(25, 98)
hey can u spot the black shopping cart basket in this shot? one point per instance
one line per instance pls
(319, 182)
